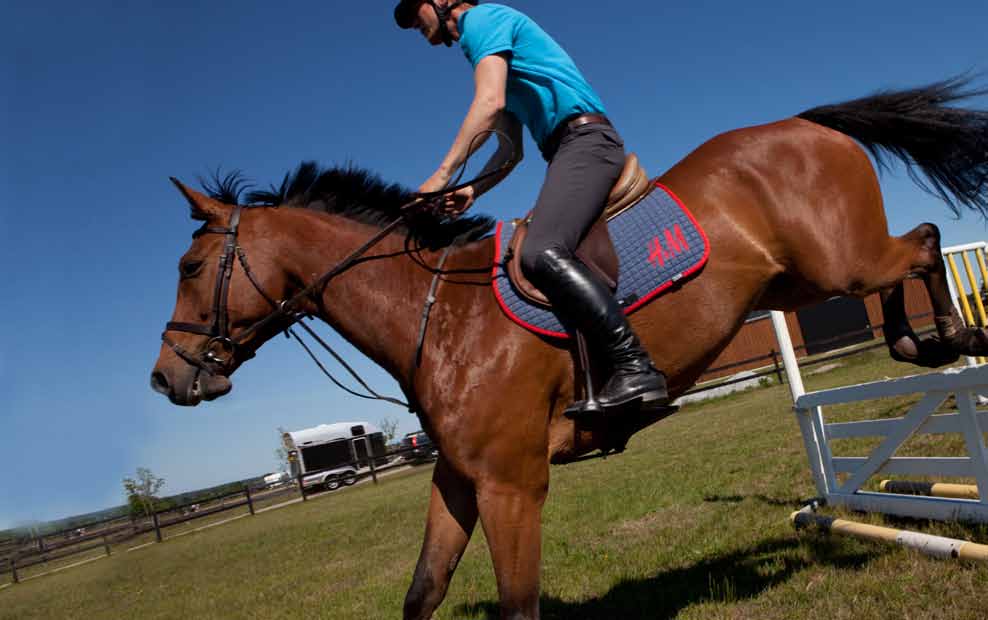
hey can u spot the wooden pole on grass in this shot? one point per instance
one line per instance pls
(936, 546)
(933, 489)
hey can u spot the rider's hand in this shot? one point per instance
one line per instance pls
(457, 202)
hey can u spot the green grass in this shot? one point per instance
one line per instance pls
(690, 522)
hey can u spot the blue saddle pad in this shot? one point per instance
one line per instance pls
(658, 243)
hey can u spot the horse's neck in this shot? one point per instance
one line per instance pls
(376, 304)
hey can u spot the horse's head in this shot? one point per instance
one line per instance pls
(214, 328)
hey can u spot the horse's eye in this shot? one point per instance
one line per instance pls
(189, 268)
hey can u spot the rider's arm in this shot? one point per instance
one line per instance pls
(507, 148)
(490, 80)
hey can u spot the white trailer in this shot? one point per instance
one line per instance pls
(331, 455)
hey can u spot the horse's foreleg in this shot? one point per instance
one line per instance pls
(511, 516)
(452, 516)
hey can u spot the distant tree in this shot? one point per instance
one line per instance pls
(389, 428)
(142, 491)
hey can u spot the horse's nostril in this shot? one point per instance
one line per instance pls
(159, 383)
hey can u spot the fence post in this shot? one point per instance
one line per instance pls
(373, 468)
(157, 526)
(778, 369)
(301, 487)
(250, 502)
(13, 569)
(106, 545)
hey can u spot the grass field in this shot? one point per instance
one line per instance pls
(690, 522)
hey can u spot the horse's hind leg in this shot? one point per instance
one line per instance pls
(904, 345)
(953, 337)
(452, 516)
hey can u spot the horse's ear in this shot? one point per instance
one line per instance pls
(203, 207)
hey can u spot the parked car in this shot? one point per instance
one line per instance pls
(418, 447)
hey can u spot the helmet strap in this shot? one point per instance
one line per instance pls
(442, 13)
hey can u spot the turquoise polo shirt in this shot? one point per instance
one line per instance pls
(544, 86)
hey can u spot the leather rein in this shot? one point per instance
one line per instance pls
(217, 356)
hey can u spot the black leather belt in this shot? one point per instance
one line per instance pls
(568, 124)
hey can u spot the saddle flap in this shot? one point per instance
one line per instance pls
(596, 251)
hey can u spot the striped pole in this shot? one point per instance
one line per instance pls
(935, 546)
(932, 489)
(960, 291)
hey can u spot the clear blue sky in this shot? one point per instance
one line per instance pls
(103, 101)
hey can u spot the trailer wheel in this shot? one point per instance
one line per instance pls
(350, 479)
(331, 483)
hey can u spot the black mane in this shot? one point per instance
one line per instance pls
(354, 193)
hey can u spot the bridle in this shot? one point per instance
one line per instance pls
(221, 348)
(220, 351)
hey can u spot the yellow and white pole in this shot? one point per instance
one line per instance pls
(961, 293)
(932, 489)
(935, 546)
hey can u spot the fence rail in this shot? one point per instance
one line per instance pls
(48, 550)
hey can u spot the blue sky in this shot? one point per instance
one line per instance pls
(102, 101)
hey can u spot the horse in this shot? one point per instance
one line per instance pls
(794, 216)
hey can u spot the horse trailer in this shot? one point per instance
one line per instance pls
(331, 455)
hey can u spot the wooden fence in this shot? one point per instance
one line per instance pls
(60, 545)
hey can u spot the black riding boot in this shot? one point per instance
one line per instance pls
(585, 303)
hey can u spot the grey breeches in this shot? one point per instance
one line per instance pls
(581, 174)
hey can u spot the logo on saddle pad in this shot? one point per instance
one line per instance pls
(658, 244)
(675, 244)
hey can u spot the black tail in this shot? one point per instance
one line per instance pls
(950, 145)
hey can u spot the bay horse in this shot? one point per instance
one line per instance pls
(793, 212)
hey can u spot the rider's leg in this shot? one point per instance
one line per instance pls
(580, 176)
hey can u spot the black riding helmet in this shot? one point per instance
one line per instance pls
(405, 15)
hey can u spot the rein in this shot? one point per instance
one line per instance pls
(222, 346)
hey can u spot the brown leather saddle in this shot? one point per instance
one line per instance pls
(596, 250)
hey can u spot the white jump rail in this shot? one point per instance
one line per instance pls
(966, 385)
(963, 383)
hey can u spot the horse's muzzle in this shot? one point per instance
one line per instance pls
(193, 387)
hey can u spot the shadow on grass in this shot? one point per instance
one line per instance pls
(723, 579)
(792, 502)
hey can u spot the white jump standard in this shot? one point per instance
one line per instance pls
(965, 384)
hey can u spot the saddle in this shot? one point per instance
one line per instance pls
(596, 250)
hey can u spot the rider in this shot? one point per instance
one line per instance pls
(523, 76)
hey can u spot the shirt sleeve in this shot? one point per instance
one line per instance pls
(486, 31)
